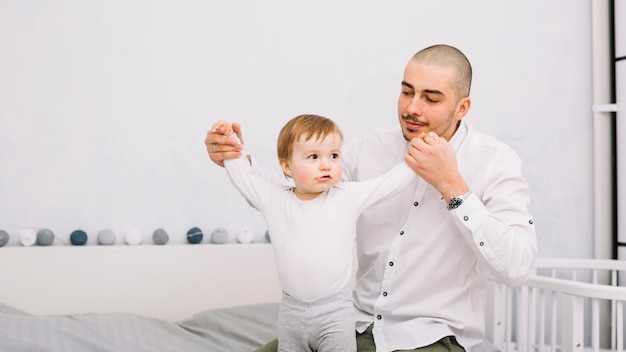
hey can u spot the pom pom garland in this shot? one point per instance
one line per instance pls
(133, 236)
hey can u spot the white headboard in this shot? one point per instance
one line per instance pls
(171, 282)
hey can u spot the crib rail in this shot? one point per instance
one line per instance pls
(567, 305)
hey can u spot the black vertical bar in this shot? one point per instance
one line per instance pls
(614, 175)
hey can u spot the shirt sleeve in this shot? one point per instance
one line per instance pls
(498, 224)
(377, 189)
(251, 182)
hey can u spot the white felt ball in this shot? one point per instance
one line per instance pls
(106, 237)
(245, 236)
(133, 237)
(28, 237)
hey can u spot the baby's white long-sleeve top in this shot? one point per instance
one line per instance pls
(313, 240)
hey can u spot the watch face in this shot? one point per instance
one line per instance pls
(454, 203)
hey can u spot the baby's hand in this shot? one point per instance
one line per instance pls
(223, 127)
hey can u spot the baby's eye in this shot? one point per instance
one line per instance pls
(334, 156)
(312, 156)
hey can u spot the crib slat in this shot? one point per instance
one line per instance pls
(553, 319)
(572, 323)
(542, 321)
(509, 320)
(620, 325)
(495, 322)
(613, 314)
(522, 319)
(595, 325)
(532, 318)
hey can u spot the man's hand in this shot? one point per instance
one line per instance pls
(434, 160)
(221, 145)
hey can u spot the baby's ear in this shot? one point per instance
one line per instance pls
(284, 165)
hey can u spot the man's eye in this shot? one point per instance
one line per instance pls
(407, 93)
(431, 100)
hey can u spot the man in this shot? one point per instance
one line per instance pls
(425, 254)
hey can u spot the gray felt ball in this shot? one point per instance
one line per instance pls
(4, 238)
(219, 235)
(194, 235)
(160, 236)
(106, 237)
(45, 237)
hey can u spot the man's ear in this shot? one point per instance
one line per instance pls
(462, 107)
(285, 166)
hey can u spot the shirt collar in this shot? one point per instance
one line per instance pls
(459, 135)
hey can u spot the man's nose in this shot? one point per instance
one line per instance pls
(415, 107)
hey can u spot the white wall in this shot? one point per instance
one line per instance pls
(104, 105)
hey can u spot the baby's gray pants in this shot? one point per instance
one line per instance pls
(322, 325)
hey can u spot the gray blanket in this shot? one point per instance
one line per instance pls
(241, 328)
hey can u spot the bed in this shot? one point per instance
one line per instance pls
(211, 297)
(137, 298)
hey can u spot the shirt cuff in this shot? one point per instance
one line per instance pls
(470, 214)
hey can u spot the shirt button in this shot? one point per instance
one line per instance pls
(482, 243)
(466, 218)
(379, 317)
(385, 294)
(401, 233)
(390, 263)
(530, 222)
(416, 203)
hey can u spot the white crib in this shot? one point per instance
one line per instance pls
(567, 305)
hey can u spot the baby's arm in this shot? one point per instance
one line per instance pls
(377, 189)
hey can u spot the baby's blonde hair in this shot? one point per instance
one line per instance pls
(307, 125)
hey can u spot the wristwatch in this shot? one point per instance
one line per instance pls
(456, 201)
